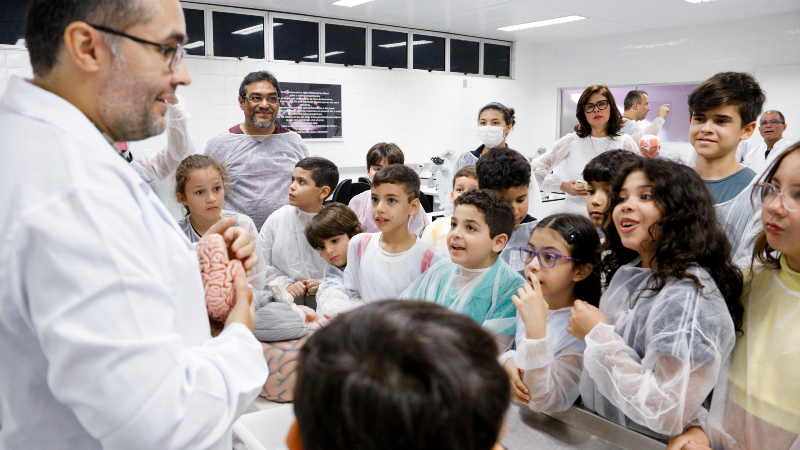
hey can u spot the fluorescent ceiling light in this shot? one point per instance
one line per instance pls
(250, 30)
(326, 54)
(351, 2)
(194, 45)
(276, 25)
(403, 44)
(699, 1)
(542, 23)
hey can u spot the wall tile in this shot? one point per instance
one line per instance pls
(230, 67)
(215, 67)
(17, 58)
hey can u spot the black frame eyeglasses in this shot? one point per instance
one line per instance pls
(257, 99)
(589, 107)
(177, 52)
(547, 259)
(764, 123)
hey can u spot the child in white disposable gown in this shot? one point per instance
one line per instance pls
(475, 281)
(200, 183)
(560, 269)
(666, 322)
(756, 404)
(330, 232)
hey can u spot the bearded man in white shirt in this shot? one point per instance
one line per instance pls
(104, 332)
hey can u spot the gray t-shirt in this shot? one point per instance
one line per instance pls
(729, 187)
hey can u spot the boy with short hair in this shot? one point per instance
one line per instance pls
(378, 157)
(508, 173)
(288, 255)
(436, 233)
(410, 363)
(382, 265)
(475, 281)
(723, 112)
(599, 173)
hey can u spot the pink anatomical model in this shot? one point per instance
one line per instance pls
(218, 273)
(650, 146)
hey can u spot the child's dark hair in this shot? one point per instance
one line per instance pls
(323, 171)
(761, 250)
(737, 89)
(583, 241)
(614, 125)
(192, 163)
(687, 234)
(605, 166)
(335, 219)
(399, 174)
(497, 212)
(466, 172)
(399, 375)
(503, 168)
(381, 150)
(508, 113)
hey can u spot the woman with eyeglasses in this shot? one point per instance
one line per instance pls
(756, 403)
(599, 130)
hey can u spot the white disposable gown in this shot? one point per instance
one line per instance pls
(104, 334)
(552, 365)
(756, 403)
(331, 296)
(741, 223)
(482, 294)
(257, 280)
(286, 252)
(570, 154)
(373, 274)
(635, 129)
(655, 362)
(260, 169)
(361, 204)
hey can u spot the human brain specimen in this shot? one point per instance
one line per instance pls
(218, 273)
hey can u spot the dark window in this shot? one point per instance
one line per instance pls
(196, 29)
(465, 56)
(295, 40)
(12, 21)
(428, 52)
(238, 35)
(497, 60)
(389, 49)
(345, 45)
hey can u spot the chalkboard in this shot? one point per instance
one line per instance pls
(314, 111)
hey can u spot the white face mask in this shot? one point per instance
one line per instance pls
(491, 136)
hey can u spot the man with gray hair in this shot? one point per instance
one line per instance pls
(759, 157)
(104, 333)
(637, 106)
(259, 153)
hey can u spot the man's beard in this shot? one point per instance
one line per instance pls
(262, 125)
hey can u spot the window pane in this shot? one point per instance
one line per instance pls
(12, 21)
(428, 52)
(497, 60)
(238, 35)
(465, 56)
(196, 29)
(295, 40)
(389, 49)
(345, 45)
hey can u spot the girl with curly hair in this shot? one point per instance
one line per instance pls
(667, 320)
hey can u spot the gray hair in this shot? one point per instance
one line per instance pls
(633, 96)
(254, 77)
(774, 111)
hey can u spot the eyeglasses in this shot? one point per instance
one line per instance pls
(547, 259)
(601, 105)
(175, 54)
(257, 99)
(771, 122)
(765, 193)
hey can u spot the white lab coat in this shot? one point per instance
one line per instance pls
(104, 332)
(634, 129)
(756, 160)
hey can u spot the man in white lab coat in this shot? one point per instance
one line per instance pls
(637, 106)
(104, 335)
(759, 157)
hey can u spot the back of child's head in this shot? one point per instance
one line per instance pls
(605, 166)
(401, 175)
(192, 163)
(382, 150)
(335, 219)
(323, 171)
(400, 375)
(737, 89)
(466, 172)
(496, 211)
(583, 242)
(503, 168)
(688, 232)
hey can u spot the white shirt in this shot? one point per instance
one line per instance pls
(756, 159)
(104, 334)
(634, 130)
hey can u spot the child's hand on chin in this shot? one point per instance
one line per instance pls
(532, 309)
(583, 318)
